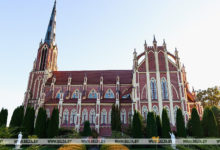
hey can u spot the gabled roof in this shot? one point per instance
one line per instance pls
(93, 77)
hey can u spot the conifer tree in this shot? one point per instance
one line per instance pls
(40, 126)
(28, 122)
(3, 117)
(87, 130)
(180, 124)
(151, 128)
(196, 124)
(118, 119)
(165, 124)
(209, 124)
(53, 126)
(137, 125)
(159, 126)
(17, 117)
(113, 121)
(189, 127)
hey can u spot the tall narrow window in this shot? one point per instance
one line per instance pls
(153, 89)
(43, 58)
(164, 88)
(84, 115)
(65, 116)
(92, 94)
(73, 116)
(109, 116)
(123, 116)
(104, 116)
(144, 112)
(109, 94)
(92, 116)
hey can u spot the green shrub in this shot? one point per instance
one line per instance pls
(180, 124)
(86, 130)
(3, 117)
(165, 124)
(196, 124)
(53, 126)
(151, 129)
(28, 122)
(40, 126)
(137, 125)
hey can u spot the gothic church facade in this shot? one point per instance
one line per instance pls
(156, 81)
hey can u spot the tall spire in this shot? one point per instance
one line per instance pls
(51, 30)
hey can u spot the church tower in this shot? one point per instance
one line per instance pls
(44, 64)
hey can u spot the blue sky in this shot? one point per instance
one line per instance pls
(101, 34)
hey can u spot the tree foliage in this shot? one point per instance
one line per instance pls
(28, 122)
(53, 126)
(40, 126)
(196, 124)
(209, 97)
(180, 124)
(159, 126)
(17, 117)
(165, 124)
(151, 128)
(209, 124)
(216, 112)
(87, 130)
(3, 117)
(137, 125)
(115, 118)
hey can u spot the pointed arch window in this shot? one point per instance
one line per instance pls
(43, 58)
(65, 116)
(164, 88)
(144, 112)
(48, 113)
(75, 94)
(175, 112)
(155, 110)
(58, 95)
(153, 88)
(123, 116)
(109, 94)
(168, 111)
(73, 116)
(93, 94)
(126, 96)
(92, 116)
(84, 115)
(104, 116)
(109, 116)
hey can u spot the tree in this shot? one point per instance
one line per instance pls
(180, 124)
(117, 119)
(137, 125)
(28, 122)
(189, 127)
(216, 112)
(159, 126)
(165, 124)
(196, 124)
(86, 130)
(53, 126)
(3, 117)
(17, 117)
(113, 121)
(151, 128)
(209, 124)
(40, 126)
(209, 97)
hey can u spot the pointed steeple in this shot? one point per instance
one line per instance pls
(155, 42)
(51, 30)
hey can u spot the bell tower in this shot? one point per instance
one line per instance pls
(44, 64)
(47, 52)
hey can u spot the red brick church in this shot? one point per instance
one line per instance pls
(157, 80)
